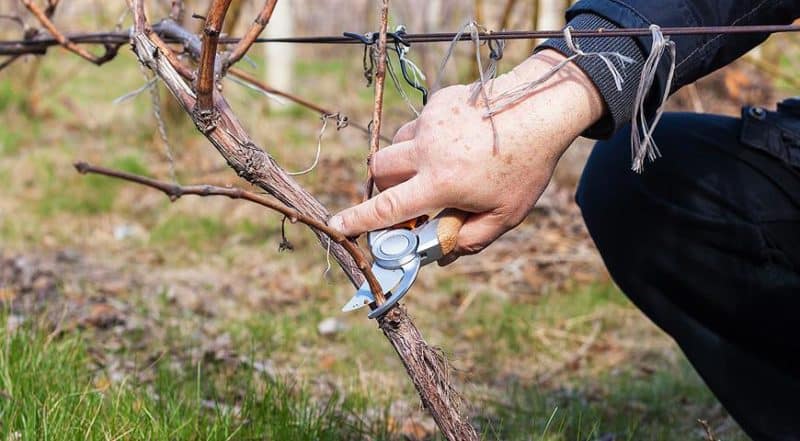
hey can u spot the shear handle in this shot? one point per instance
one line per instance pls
(450, 223)
(438, 237)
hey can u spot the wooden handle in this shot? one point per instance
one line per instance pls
(450, 223)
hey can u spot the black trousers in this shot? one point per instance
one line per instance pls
(706, 241)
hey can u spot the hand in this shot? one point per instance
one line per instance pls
(452, 157)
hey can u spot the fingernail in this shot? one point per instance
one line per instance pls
(336, 223)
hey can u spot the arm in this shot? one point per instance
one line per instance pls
(446, 158)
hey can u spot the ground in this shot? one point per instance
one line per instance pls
(125, 316)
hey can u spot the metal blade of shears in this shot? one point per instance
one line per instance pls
(387, 278)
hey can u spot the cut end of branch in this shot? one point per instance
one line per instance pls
(82, 167)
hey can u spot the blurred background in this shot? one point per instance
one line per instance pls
(125, 316)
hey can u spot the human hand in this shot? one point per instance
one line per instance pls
(452, 156)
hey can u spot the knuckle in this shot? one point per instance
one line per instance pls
(386, 206)
(348, 219)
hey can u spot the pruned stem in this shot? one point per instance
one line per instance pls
(207, 72)
(377, 111)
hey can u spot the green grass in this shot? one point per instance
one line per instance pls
(626, 405)
(63, 190)
(202, 233)
(49, 389)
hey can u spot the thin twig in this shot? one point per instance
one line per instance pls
(207, 72)
(709, 433)
(238, 73)
(260, 22)
(172, 30)
(377, 113)
(43, 17)
(175, 192)
(182, 69)
(380, 81)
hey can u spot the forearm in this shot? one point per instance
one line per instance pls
(559, 110)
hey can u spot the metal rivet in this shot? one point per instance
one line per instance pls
(758, 113)
(395, 245)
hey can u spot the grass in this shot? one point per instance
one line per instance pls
(53, 387)
(629, 407)
(79, 195)
(49, 389)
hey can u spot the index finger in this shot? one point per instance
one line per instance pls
(402, 202)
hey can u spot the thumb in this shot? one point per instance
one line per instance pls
(402, 202)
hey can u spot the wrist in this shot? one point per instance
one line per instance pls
(559, 110)
(571, 86)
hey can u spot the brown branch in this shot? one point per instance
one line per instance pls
(192, 44)
(233, 142)
(423, 364)
(43, 17)
(377, 112)
(207, 72)
(258, 25)
(182, 69)
(175, 192)
(380, 81)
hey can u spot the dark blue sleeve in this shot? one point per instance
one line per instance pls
(697, 55)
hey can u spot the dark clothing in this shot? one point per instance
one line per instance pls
(707, 243)
(697, 55)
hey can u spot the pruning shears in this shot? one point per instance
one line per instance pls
(398, 254)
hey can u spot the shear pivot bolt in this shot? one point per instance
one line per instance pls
(395, 245)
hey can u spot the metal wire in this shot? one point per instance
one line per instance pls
(40, 44)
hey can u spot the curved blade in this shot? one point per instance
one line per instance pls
(388, 279)
(410, 271)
